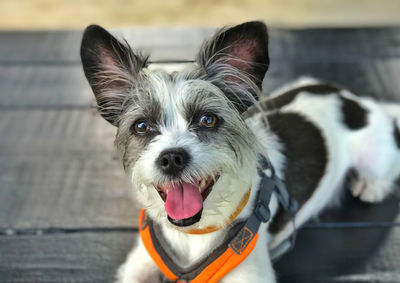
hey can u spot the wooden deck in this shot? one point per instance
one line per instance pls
(65, 210)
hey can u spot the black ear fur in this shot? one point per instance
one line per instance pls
(244, 47)
(109, 66)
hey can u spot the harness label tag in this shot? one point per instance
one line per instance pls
(239, 244)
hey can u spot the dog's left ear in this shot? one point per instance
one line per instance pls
(244, 48)
(111, 68)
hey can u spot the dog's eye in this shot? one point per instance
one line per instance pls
(141, 127)
(208, 120)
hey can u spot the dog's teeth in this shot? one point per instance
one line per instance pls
(163, 188)
(203, 183)
(200, 189)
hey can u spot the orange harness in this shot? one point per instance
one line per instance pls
(239, 243)
(223, 259)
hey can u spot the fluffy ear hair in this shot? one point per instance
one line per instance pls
(110, 67)
(236, 60)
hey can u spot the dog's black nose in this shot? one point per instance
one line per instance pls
(173, 161)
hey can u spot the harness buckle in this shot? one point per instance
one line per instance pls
(262, 212)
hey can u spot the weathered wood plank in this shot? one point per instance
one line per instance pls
(43, 86)
(39, 47)
(314, 44)
(62, 47)
(81, 257)
(58, 169)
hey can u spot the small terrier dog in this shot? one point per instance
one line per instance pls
(191, 142)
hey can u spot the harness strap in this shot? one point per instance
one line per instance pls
(291, 206)
(239, 243)
(286, 201)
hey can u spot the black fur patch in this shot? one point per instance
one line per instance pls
(289, 96)
(285, 98)
(306, 159)
(354, 116)
(396, 134)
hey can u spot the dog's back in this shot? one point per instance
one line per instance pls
(326, 132)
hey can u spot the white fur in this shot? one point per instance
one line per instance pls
(371, 150)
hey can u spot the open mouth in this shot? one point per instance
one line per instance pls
(183, 201)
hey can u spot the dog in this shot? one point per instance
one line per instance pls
(191, 142)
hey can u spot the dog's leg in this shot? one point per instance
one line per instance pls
(377, 161)
(257, 267)
(138, 267)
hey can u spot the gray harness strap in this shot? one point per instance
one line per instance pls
(267, 173)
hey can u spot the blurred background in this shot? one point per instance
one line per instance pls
(76, 14)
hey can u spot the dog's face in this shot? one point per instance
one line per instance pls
(190, 154)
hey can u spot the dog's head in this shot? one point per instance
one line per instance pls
(191, 156)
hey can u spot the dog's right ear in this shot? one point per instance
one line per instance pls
(110, 67)
(237, 59)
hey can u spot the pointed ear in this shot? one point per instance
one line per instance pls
(110, 67)
(243, 48)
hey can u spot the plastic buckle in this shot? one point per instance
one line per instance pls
(262, 212)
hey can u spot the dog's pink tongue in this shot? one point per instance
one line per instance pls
(183, 201)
